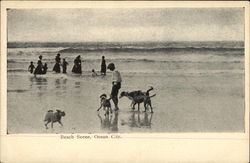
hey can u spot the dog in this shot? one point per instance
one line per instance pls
(105, 104)
(53, 117)
(138, 97)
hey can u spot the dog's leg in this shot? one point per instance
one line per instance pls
(52, 124)
(138, 106)
(106, 111)
(145, 106)
(111, 111)
(133, 105)
(60, 123)
(149, 103)
(46, 125)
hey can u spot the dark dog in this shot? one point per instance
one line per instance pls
(105, 104)
(138, 97)
(53, 117)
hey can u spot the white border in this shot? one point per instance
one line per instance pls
(219, 147)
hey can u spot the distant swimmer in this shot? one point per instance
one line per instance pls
(103, 66)
(77, 68)
(39, 67)
(31, 67)
(56, 67)
(94, 74)
(45, 68)
(64, 65)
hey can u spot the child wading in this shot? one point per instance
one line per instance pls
(64, 65)
(116, 84)
(31, 68)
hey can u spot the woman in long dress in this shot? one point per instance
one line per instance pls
(57, 68)
(39, 67)
(77, 68)
(103, 66)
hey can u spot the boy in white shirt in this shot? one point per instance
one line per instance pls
(116, 84)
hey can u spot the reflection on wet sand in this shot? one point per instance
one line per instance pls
(109, 122)
(139, 120)
(40, 83)
(38, 80)
(60, 83)
(77, 84)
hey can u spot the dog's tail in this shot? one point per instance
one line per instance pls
(150, 89)
(152, 95)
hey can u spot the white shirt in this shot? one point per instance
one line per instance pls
(116, 76)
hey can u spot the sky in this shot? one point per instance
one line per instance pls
(126, 25)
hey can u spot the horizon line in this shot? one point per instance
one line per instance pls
(119, 41)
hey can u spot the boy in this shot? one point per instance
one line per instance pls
(31, 67)
(116, 84)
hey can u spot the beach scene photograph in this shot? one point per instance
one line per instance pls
(125, 70)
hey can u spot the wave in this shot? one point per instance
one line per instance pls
(137, 72)
(127, 60)
(18, 90)
(154, 49)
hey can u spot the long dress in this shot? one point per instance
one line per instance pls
(45, 69)
(103, 67)
(56, 67)
(39, 68)
(77, 68)
(64, 65)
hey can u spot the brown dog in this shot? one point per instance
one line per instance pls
(53, 117)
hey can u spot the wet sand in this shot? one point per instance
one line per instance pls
(184, 103)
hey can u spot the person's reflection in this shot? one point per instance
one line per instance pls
(114, 124)
(146, 121)
(41, 84)
(64, 82)
(137, 122)
(32, 80)
(108, 122)
(133, 122)
(77, 84)
(40, 81)
(58, 83)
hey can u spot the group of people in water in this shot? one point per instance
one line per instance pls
(41, 68)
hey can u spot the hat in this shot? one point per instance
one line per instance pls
(111, 66)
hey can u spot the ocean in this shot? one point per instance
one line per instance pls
(199, 86)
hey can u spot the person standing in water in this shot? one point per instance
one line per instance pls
(39, 67)
(31, 68)
(77, 68)
(64, 65)
(103, 66)
(116, 84)
(45, 68)
(57, 68)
